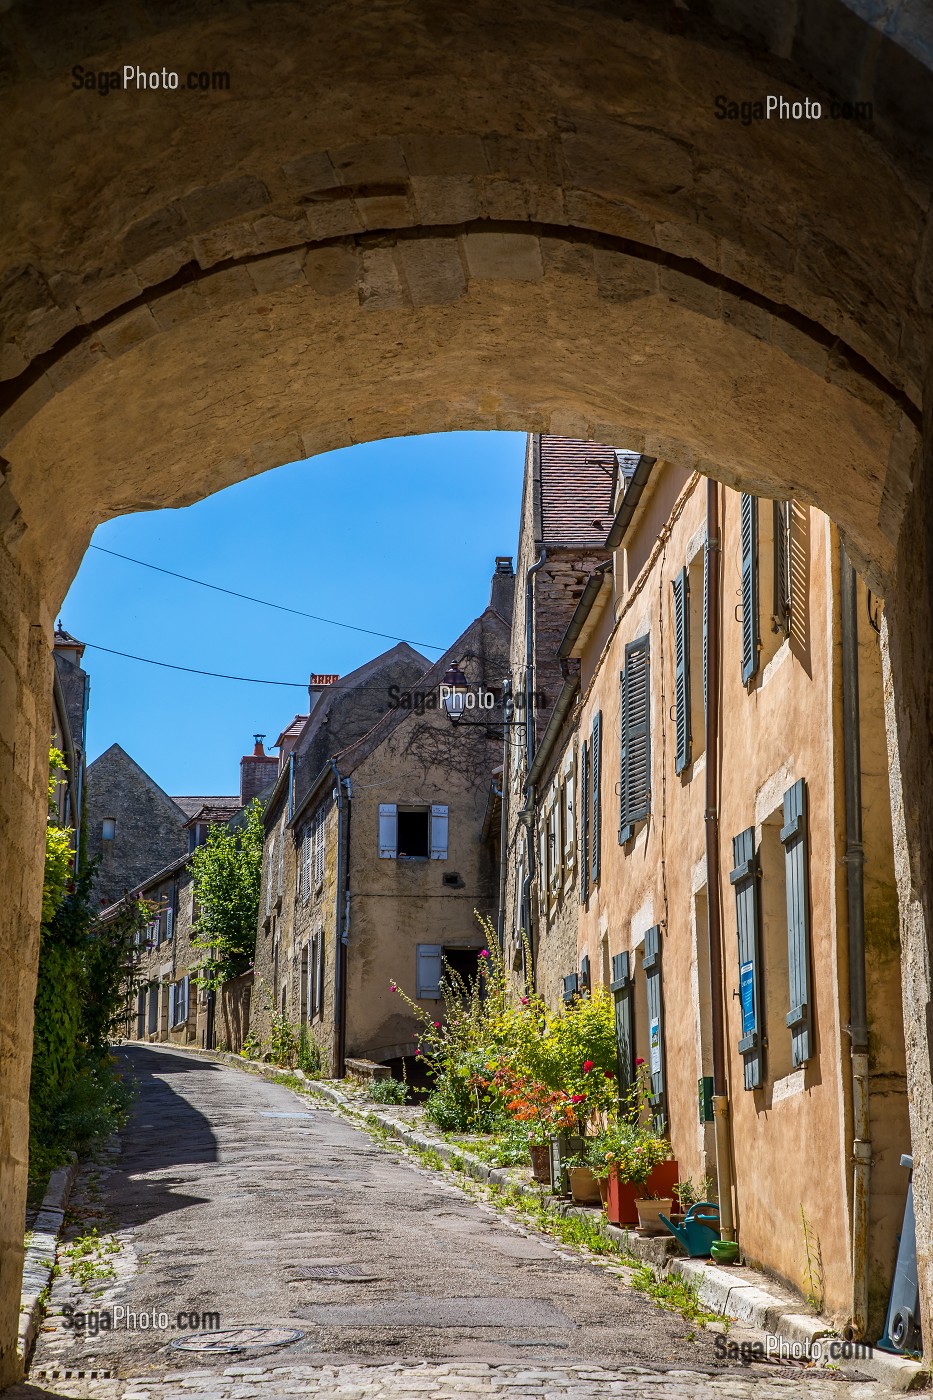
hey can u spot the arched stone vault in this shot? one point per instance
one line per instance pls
(413, 217)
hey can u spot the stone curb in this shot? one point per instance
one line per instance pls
(718, 1288)
(39, 1259)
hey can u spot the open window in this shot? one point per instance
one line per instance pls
(413, 831)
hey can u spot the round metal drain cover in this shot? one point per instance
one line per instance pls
(239, 1339)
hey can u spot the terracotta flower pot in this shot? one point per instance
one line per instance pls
(540, 1161)
(584, 1187)
(648, 1213)
(603, 1183)
(620, 1205)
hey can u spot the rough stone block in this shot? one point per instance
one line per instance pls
(310, 172)
(220, 288)
(593, 211)
(510, 256)
(332, 270)
(505, 199)
(100, 297)
(175, 307)
(380, 286)
(432, 269)
(22, 409)
(798, 345)
(233, 241)
(444, 155)
(521, 157)
(153, 234)
(689, 292)
(275, 231)
(545, 203)
(745, 316)
(76, 362)
(688, 241)
(332, 218)
(566, 258)
(272, 274)
(610, 157)
(231, 199)
(621, 278)
(385, 211)
(12, 361)
(159, 267)
(370, 162)
(447, 199)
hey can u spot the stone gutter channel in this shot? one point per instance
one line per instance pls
(743, 1295)
(39, 1261)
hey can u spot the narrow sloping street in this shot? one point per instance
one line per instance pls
(232, 1196)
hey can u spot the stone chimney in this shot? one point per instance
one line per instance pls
(317, 685)
(502, 593)
(257, 770)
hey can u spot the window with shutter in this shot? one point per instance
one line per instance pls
(682, 734)
(270, 872)
(439, 825)
(320, 822)
(635, 762)
(796, 857)
(596, 746)
(428, 971)
(554, 851)
(306, 862)
(543, 866)
(388, 830)
(571, 987)
(570, 817)
(621, 989)
(744, 879)
(169, 922)
(281, 867)
(751, 639)
(319, 975)
(584, 974)
(782, 566)
(656, 1065)
(171, 1004)
(584, 823)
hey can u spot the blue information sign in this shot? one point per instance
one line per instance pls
(747, 994)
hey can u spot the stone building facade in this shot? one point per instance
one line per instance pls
(133, 827)
(629, 869)
(375, 876)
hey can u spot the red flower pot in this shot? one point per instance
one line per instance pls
(621, 1208)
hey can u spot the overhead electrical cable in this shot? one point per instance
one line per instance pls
(192, 670)
(263, 602)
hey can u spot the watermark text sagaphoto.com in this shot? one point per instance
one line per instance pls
(113, 1319)
(790, 109)
(132, 78)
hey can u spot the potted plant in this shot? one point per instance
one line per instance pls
(641, 1173)
(585, 1186)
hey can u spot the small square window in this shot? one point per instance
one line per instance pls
(109, 828)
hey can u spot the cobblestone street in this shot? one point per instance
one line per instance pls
(233, 1196)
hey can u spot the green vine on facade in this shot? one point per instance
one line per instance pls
(227, 873)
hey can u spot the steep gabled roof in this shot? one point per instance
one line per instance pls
(578, 486)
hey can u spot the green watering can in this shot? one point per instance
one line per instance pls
(699, 1230)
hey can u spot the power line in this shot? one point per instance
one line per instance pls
(263, 602)
(192, 670)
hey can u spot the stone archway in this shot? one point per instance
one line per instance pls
(412, 218)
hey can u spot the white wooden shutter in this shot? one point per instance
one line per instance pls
(570, 818)
(388, 831)
(554, 851)
(306, 862)
(319, 821)
(439, 824)
(186, 997)
(428, 978)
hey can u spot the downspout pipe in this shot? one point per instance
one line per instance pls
(508, 709)
(341, 922)
(855, 892)
(721, 1117)
(527, 813)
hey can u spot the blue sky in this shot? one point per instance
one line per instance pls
(399, 536)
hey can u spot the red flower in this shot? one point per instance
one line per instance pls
(577, 1098)
(609, 1074)
(417, 1052)
(639, 1062)
(484, 953)
(437, 1025)
(524, 1001)
(392, 987)
(587, 1066)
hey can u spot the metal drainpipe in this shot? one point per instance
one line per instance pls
(721, 1118)
(341, 925)
(507, 709)
(855, 889)
(527, 814)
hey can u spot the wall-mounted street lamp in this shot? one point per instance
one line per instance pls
(454, 690)
(457, 697)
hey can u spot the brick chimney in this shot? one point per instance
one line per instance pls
(318, 684)
(257, 770)
(502, 593)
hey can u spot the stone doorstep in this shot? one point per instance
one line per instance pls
(755, 1304)
(39, 1259)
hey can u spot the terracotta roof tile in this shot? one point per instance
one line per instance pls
(578, 482)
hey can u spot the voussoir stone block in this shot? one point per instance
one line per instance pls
(432, 269)
(230, 199)
(515, 256)
(444, 155)
(272, 274)
(332, 270)
(447, 199)
(380, 286)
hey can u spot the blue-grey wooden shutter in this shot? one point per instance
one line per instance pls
(596, 764)
(705, 630)
(682, 735)
(571, 987)
(652, 963)
(744, 879)
(782, 565)
(796, 869)
(624, 828)
(584, 974)
(171, 1004)
(621, 989)
(388, 830)
(428, 979)
(584, 823)
(750, 634)
(636, 779)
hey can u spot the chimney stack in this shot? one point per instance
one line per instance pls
(257, 770)
(502, 593)
(317, 685)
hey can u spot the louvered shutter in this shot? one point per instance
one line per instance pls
(636, 781)
(744, 879)
(621, 989)
(171, 1004)
(571, 987)
(750, 634)
(428, 970)
(796, 869)
(306, 862)
(319, 975)
(186, 997)
(706, 564)
(584, 974)
(169, 922)
(542, 862)
(570, 817)
(584, 823)
(782, 565)
(596, 747)
(682, 735)
(656, 1067)
(624, 830)
(438, 832)
(388, 831)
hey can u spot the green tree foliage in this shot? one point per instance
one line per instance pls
(227, 872)
(58, 852)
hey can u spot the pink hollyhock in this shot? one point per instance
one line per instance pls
(392, 987)
(524, 1001)
(437, 1025)
(484, 953)
(417, 1052)
(587, 1066)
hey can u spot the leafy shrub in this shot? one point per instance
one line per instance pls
(309, 1053)
(283, 1042)
(388, 1091)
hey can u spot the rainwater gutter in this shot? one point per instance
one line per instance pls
(855, 891)
(721, 1117)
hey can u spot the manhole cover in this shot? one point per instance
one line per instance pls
(240, 1339)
